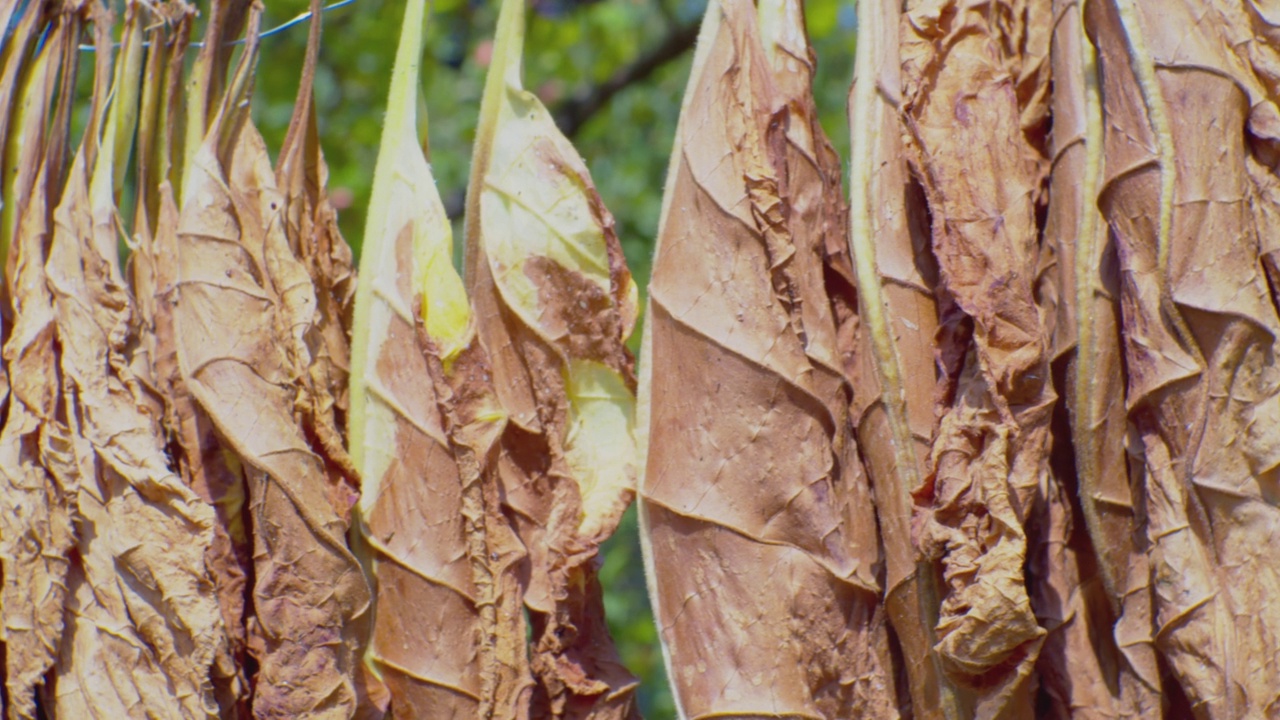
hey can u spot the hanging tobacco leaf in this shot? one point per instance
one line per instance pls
(449, 637)
(974, 99)
(1191, 128)
(756, 517)
(23, 101)
(36, 467)
(143, 626)
(20, 104)
(205, 87)
(160, 114)
(157, 121)
(1086, 668)
(894, 373)
(554, 306)
(818, 220)
(200, 457)
(312, 227)
(242, 305)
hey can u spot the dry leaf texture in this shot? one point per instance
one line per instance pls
(974, 76)
(312, 227)
(1189, 93)
(242, 306)
(554, 305)
(449, 638)
(762, 560)
(1087, 669)
(200, 457)
(39, 476)
(1088, 315)
(143, 625)
(890, 345)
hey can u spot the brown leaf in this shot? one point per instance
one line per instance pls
(139, 595)
(974, 105)
(755, 510)
(1088, 309)
(889, 346)
(1083, 669)
(311, 224)
(471, 414)
(242, 304)
(554, 306)
(205, 465)
(36, 530)
(1191, 117)
(412, 521)
(424, 429)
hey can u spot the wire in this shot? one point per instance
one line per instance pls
(266, 34)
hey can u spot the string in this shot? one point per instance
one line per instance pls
(303, 17)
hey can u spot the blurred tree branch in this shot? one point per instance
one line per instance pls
(574, 112)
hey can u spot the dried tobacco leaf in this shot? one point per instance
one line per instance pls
(204, 88)
(1189, 194)
(19, 73)
(1083, 668)
(756, 515)
(18, 152)
(160, 114)
(554, 306)
(157, 123)
(312, 227)
(974, 98)
(449, 638)
(897, 321)
(1088, 307)
(200, 457)
(39, 479)
(143, 626)
(1078, 663)
(242, 305)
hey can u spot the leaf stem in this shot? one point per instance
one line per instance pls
(504, 73)
(397, 133)
(865, 128)
(1086, 368)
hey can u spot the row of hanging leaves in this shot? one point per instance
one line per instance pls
(997, 439)
(994, 438)
(215, 505)
(176, 490)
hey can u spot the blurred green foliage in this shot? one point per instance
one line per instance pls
(571, 47)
